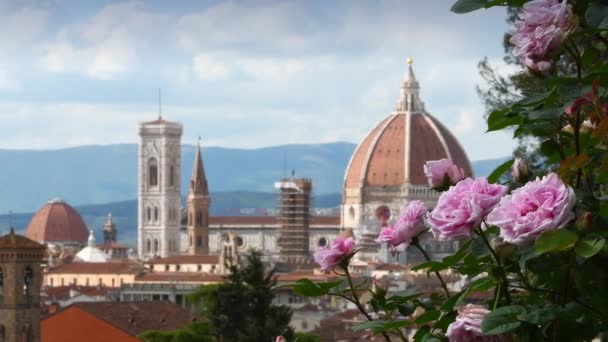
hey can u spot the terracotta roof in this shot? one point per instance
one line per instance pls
(394, 152)
(57, 221)
(192, 277)
(292, 277)
(14, 241)
(269, 220)
(112, 245)
(186, 259)
(63, 292)
(136, 318)
(98, 268)
(257, 220)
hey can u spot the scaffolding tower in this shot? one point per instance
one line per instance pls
(294, 216)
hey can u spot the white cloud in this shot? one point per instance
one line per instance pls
(21, 26)
(106, 45)
(209, 68)
(7, 83)
(465, 123)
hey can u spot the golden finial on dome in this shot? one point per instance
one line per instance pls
(410, 61)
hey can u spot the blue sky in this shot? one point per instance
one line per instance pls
(238, 73)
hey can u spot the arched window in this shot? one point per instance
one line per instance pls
(28, 279)
(155, 245)
(199, 219)
(1, 286)
(152, 172)
(148, 245)
(155, 214)
(171, 175)
(149, 214)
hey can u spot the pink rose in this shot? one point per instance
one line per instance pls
(462, 208)
(520, 170)
(280, 339)
(442, 173)
(408, 226)
(467, 326)
(330, 257)
(538, 34)
(538, 206)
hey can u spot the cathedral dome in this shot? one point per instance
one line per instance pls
(394, 152)
(57, 222)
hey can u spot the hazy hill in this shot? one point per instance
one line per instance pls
(102, 174)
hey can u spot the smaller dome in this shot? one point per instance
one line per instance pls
(91, 253)
(57, 222)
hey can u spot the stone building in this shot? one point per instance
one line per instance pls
(20, 283)
(198, 208)
(159, 194)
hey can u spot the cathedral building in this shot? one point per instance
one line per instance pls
(384, 173)
(386, 170)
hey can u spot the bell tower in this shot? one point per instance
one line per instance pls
(159, 194)
(20, 285)
(198, 208)
(109, 230)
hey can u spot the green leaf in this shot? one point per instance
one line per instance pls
(406, 295)
(305, 287)
(539, 316)
(589, 246)
(465, 6)
(431, 266)
(499, 171)
(545, 113)
(534, 99)
(555, 240)
(500, 119)
(502, 320)
(422, 333)
(428, 316)
(597, 16)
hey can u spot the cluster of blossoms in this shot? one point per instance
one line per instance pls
(538, 35)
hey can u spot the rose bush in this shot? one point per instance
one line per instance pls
(536, 248)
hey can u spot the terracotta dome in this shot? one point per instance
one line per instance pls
(57, 222)
(394, 152)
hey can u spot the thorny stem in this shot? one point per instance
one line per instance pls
(504, 281)
(416, 243)
(357, 303)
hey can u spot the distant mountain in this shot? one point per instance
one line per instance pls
(102, 174)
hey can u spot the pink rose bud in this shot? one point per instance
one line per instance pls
(330, 257)
(538, 206)
(585, 221)
(280, 339)
(520, 170)
(442, 173)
